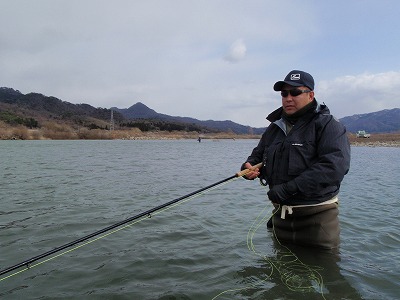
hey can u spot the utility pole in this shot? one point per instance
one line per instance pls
(112, 121)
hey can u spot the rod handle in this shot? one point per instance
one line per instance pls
(245, 171)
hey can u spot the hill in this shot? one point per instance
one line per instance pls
(141, 111)
(34, 109)
(16, 107)
(384, 121)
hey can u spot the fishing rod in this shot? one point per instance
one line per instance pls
(147, 213)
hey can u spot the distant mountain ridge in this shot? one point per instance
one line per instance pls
(41, 107)
(384, 121)
(44, 107)
(141, 111)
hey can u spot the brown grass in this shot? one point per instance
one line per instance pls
(56, 131)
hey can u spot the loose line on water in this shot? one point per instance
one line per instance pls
(293, 273)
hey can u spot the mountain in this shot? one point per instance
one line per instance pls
(141, 111)
(32, 108)
(14, 105)
(384, 121)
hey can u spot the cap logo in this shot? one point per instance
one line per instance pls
(295, 77)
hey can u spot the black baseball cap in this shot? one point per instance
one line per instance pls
(296, 78)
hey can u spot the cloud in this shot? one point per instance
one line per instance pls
(362, 93)
(217, 60)
(237, 51)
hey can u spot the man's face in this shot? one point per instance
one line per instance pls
(291, 104)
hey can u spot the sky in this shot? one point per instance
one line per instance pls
(208, 59)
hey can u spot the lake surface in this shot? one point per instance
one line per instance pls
(212, 246)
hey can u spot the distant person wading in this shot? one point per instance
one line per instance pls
(305, 154)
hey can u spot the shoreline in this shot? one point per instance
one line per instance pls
(395, 144)
(375, 140)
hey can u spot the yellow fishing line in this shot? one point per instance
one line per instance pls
(251, 232)
(292, 271)
(115, 230)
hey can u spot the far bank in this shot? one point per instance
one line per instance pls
(65, 133)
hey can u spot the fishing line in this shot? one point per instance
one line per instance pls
(293, 273)
(111, 229)
(251, 232)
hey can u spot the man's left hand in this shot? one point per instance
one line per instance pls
(281, 192)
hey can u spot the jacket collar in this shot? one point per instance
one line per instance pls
(277, 114)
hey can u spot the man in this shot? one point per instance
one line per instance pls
(305, 154)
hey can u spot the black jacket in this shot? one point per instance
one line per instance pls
(314, 156)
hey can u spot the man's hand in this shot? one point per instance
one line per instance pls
(253, 173)
(281, 192)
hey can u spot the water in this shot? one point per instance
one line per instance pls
(53, 192)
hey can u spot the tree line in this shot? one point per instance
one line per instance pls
(160, 125)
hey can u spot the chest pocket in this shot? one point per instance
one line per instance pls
(301, 156)
(275, 162)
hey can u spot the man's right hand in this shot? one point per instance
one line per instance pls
(253, 173)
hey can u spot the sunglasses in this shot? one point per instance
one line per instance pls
(293, 92)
